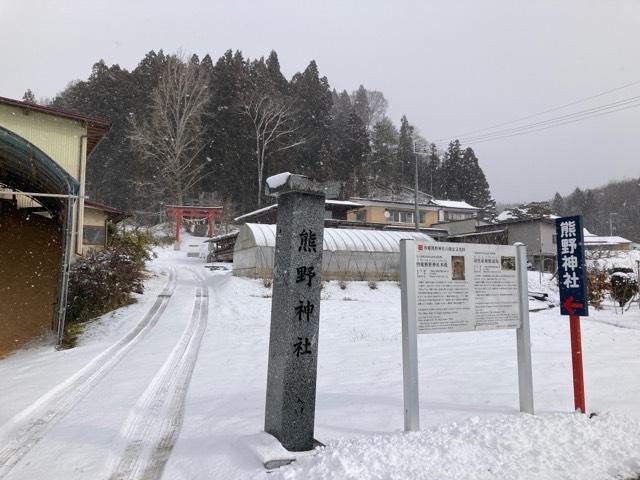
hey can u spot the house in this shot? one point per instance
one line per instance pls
(456, 227)
(402, 211)
(450, 210)
(97, 217)
(537, 233)
(598, 242)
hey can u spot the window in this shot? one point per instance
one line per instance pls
(400, 216)
(93, 235)
(361, 215)
(457, 215)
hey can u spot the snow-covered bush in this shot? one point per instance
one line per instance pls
(597, 286)
(104, 280)
(624, 286)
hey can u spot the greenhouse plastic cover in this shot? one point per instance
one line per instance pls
(337, 239)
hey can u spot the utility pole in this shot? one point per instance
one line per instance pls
(418, 149)
(611, 215)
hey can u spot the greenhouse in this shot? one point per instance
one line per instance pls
(348, 254)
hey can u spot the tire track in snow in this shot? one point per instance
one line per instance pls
(29, 426)
(154, 424)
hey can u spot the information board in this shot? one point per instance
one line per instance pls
(457, 287)
(462, 287)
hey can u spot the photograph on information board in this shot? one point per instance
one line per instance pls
(508, 263)
(457, 267)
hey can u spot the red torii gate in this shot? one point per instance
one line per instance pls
(181, 211)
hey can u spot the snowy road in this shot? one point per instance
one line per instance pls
(173, 387)
(126, 404)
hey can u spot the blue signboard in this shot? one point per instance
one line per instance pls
(571, 269)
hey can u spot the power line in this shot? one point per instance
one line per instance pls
(593, 112)
(553, 109)
(561, 118)
(559, 124)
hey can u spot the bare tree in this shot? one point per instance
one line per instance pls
(172, 137)
(273, 127)
(377, 107)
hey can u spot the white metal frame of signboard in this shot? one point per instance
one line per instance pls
(497, 274)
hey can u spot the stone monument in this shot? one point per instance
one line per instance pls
(295, 311)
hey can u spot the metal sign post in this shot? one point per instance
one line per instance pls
(523, 335)
(409, 335)
(573, 293)
(457, 287)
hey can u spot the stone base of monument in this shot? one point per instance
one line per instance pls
(268, 450)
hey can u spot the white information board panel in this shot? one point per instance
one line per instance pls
(463, 286)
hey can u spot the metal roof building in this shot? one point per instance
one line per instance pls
(43, 157)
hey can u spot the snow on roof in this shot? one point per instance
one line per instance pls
(340, 239)
(453, 204)
(275, 205)
(597, 240)
(524, 212)
(343, 202)
(224, 236)
(255, 212)
(278, 180)
(593, 239)
(505, 215)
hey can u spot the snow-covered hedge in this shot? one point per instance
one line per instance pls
(104, 280)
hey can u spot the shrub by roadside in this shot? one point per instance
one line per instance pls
(104, 280)
(597, 286)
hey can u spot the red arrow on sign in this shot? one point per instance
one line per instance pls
(569, 305)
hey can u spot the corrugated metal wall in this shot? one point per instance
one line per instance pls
(58, 137)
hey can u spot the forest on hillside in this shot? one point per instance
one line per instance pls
(613, 209)
(190, 130)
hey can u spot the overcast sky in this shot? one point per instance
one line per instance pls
(450, 66)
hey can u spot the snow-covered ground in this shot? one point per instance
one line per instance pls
(192, 376)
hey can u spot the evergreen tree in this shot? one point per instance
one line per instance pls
(446, 185)
(29, 97)
(350, 155)
(406, 157)
(340, 112)
(576, 202)
(278, 82)
(111, 93)
(591, 212)
(229, 147)
(361, 106)
(473, 186)
(432, 165)
(384, 148)
(557, 205)
(312, 99)
(460, 177)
